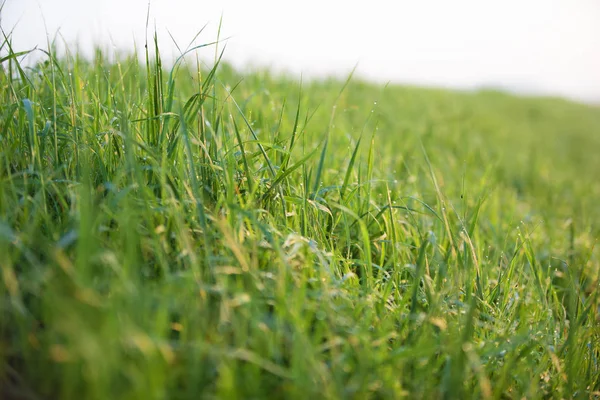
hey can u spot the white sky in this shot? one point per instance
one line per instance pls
(532, 46)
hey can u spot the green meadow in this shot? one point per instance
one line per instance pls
(193, 231)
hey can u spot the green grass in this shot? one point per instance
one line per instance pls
(200, 233)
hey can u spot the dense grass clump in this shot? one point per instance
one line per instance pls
(190, 232)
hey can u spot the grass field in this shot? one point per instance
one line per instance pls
(196, 232)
